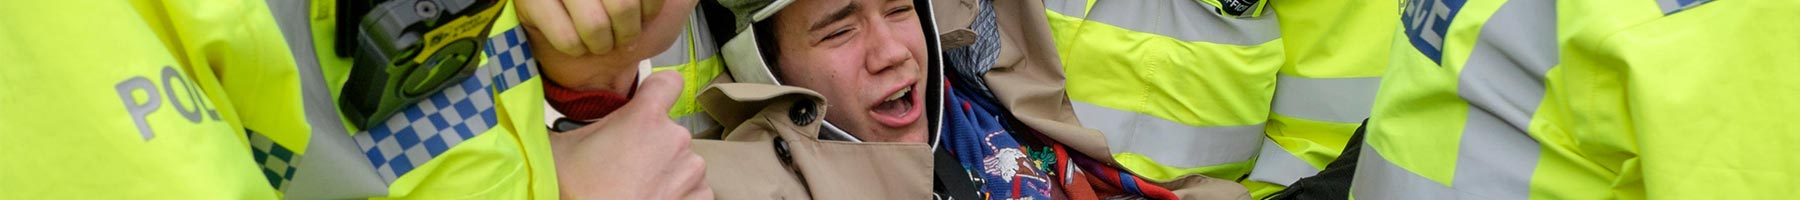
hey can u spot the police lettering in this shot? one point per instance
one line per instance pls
(189, 104)
(1427, 22)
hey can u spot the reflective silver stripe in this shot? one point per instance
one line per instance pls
(677, 53)
(1495, 161)
(1503, 83)
(698, 36)
(697, 122)
(1186, 20)
(1378, 178)
(1071, 8)
(1673, 6)
(329, 148)
(702, 44)
(1276, 165)
(1342, 100)
(1168, 142)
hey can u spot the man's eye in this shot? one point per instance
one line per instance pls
(837, 34)
(899, 11)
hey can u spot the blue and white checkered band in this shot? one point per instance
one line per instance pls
(1426, 22)
(1670, 7)
(460, 112)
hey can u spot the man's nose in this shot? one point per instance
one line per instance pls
(886, 51)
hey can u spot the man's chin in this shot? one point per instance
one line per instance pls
(914, 133)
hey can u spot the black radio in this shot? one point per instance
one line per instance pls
(406, 50)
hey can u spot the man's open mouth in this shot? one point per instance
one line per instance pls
(899, 109)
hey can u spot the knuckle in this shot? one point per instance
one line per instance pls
(681, 135)
(699, 163)
(681, 143)
(630, 4)
(601, 21)
(666, 79)
(581, 18)
(662, 132)
(565, 40)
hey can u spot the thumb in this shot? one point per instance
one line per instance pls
(657, 93)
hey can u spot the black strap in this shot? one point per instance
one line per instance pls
(349, 21)
(564, 124)
(1238, 7)
(1334, 181)
(951, 181)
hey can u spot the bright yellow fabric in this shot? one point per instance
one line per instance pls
(1690, 105)
(228, 50)
(1426, 139)
(1316, 142)
(1336, 39)
(1327, 39)
(1194, 83)
(509, 161)
(1149, 169)
(1190, 82)
(68, 132)
(1700, 97)
(697, 72)
(697, 75)
(1260, 190)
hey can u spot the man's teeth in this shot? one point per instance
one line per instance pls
(897, 95)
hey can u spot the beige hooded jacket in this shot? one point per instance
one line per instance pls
(768, 146)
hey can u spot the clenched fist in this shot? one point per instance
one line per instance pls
(594, 44)
(636, 152)
(581, 27)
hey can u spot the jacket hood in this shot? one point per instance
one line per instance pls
(745, 62)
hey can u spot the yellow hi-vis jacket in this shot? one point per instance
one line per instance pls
(1587, 99)
(1336, 52)
(695, 55)
(204, 99)
(1263, 97)
(1177, 88)
(480, 138)
(139, 99)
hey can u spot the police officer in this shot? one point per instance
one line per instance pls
(138, 99)
(1546, 99)
(209, 106)
(1264, 92)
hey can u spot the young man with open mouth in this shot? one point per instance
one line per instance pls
(845, 99)
(999, 126)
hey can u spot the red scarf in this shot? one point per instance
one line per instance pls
(583, 105)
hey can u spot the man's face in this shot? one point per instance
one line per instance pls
(866, 56)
